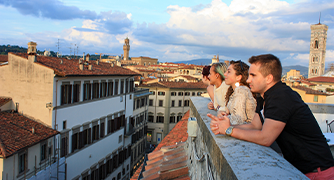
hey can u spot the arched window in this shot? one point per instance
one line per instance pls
(316, 44)
(316, 71)
(312, 71)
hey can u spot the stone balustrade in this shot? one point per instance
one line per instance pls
(230, 158)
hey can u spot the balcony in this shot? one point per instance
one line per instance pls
(229, 158)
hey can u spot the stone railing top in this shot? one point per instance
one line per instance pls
(246, 160)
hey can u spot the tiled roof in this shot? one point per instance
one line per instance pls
(4, 100)
(189, 77)
(16, 133)
(309, 90)
(306, 82)
(3, 58)
(176, 85)
(322, 79)
(71, 67)
(169, 159)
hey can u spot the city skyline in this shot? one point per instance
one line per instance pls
(170, 31)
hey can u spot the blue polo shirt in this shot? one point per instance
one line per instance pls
(301, 141)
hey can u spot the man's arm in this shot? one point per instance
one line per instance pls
(252, 132)
(266, 136)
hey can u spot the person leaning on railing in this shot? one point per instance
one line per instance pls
(240, 102)
(217, 79)
(283, 116)
(206, 81)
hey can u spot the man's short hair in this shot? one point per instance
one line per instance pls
(270, 64)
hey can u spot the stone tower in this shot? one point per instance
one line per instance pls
(317, 56)
(215, 59)
(32, 48)
(126, 48)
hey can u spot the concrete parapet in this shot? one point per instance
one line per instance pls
(230, 158)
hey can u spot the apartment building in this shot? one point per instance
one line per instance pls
(25, 145)
(168, 102)
(138, 126)
(89, 103)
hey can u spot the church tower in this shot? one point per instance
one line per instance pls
(215, 59)
(126, 48)
(317, 56)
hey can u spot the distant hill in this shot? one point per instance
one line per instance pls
(303, 69)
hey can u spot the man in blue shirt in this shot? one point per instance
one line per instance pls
(281, 116)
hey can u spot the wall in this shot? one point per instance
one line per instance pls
(322, 112)
(28, 84)
(230, 158)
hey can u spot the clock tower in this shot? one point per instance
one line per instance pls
(317, 56)
(126, 48)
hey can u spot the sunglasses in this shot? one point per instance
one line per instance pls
(240, 62)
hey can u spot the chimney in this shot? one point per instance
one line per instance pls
(33, 130)
(90, 67)
(61, 61)
(97, 62)
(81, 66)
(112, 64)
(87, 57)
(32, 51)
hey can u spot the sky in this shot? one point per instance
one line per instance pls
(170, 30)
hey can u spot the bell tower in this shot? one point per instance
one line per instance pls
(126, 48)
(317, 56)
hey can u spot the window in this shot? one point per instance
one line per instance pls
(152, 92)
(193, 93)
(199, 93)
(160, 119)
(161, 93)
(102, 128)
(316, 44)
(186, 102)
(75, 140)
(180, 103)
(120, 139)
(66, 94)
(173, 103)
(150, 118)
(173, 93)
(126, 85)
(131, 85)
(23, 162)
(122, 87)
(87, 91)
(187, 93)
(64, 145)
(76, 92)
(150, 102)
(179, 117)
(111, 122)
(116, 87)
(43, 151)
(315, 98)
(96, 90)
(64, 124)
(180, 93)
(172, 119)
(94, 175)
(137, 103)
(86, 136)
(110, 88)
(95, 135)
(161, 103)
(103, 89)
(142, 102)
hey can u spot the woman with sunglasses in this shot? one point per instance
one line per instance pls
(240, 102)
(216, 78)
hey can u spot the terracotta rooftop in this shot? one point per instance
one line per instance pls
(3, 58)
(309, 90)
(306, 82)
(169, 159)
(16, 133)
(4, 100)
(71, 67)
(176, 85)
(322, 79)
(189, 77)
